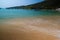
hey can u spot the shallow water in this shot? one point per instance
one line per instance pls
(29, 24)
(6, 14)
(21, 13)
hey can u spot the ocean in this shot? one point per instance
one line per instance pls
(24, 24)
(21, 13)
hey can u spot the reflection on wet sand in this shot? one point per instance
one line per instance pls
(36, 28)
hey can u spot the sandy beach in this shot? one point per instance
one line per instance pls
(35, 28)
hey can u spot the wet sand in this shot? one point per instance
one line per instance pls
(35, 28)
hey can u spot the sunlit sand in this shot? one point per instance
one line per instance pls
(35, 28)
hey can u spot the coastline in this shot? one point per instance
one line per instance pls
(35, 28)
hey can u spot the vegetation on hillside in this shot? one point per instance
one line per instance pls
(47, 4)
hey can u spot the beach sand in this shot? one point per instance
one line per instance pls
(35, 28)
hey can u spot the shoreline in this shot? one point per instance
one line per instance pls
(35, 28)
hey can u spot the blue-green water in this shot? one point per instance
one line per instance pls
(21, 13)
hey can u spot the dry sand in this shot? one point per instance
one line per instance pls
(35, 28)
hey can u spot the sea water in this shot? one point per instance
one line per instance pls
(25, 13)
(47, 28)
(21, 13)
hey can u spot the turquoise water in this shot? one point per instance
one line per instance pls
(21, 13)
